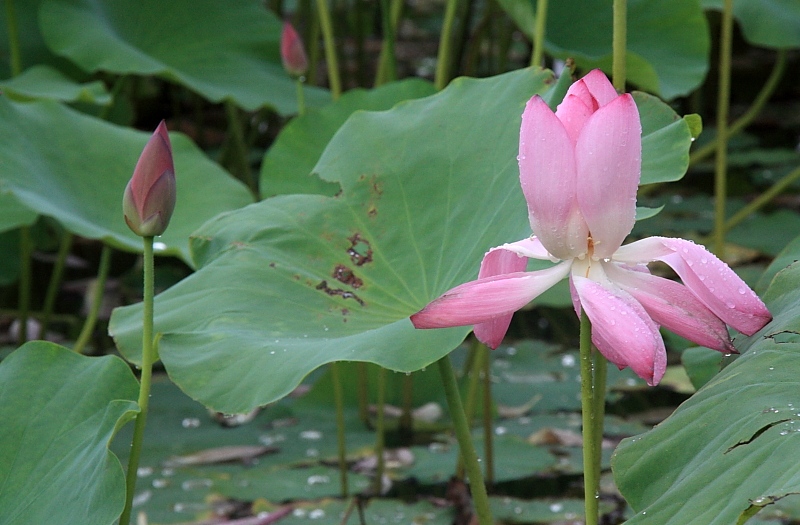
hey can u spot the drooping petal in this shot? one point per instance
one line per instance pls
(622, 330)
(608, 158)
(531, 248)
(673, 306)
(483, 300)
(548, 179)
(709, 279)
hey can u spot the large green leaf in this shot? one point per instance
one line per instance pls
(728, 447)
(222, 50)
(59, 412)
(297, 281)
(73, 167)
(768, 23)
(668, 41)
(13, 213)
(288, 163)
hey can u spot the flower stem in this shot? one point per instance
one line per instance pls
(479, 496)
(362, 392)
(591, 460)
(488, 430)
(387, 66)
(538, 33)
(472, 373)
(237, 149)
(405, 428)
(600, 365)
(24, 306)
(55, 282)
(13, 39)
(379, 432)
(338, 399)
(301, 99)
(148, 358)
(758, 104)
(445, 46)
(619, 44)
(97, 300)
(330, 49)
(723, 104)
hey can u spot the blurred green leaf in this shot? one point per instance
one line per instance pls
(45, 82)
(701, 364)
(294, 282)
(221, 50)
(288, 164)
(668, 40)
(766, 23)
(726, 448)
(59, 412)
(13, 213)
(61, 163)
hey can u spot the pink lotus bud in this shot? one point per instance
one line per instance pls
(149, 198)
(293, 53)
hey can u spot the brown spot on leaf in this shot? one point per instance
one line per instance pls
(345, 275)
(360, 251)
(344, 294)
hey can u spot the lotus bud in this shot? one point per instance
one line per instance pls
(293, 54)
(149, 198)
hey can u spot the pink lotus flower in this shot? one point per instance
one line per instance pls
(579, 170)
(149, 198)
(293, 54)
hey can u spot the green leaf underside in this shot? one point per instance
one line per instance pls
(767, 23)
(294, 282)
(230, 50)
(61, 163)
(59, 412)
(728, 445)
(48, 83)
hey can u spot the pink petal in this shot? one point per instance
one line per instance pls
(622, 330)
(293, 52)
(486, 299)
(600, 87)
(709, 279)
(673, 306)
(717, 286)
(609, 163)
(548, 179)
(573, 113)
(531, 248)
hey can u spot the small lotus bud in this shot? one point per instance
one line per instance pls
(293, 54)
(149, 198)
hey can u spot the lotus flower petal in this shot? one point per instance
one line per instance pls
(609, 162)
(622, 330)
(548, 179)
(673, 306)
(483, 300)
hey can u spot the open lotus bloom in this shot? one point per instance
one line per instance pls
(579, 170)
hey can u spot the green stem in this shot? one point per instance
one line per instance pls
(148, 358)
(330, 49)
(25, 254)
(313, 44)
(363, 393)
(591, 460)
(301, 99)
(758, 104)
(488, 430)
(116, 89)
(97, 301)
(13, 39)
(55, 281)
(479, 496)
(445, 46)
(763, 199)
(600, 365)
(387, 65)
(379, 432)
(473, 372)
(723, 104)
(338, 398)
(538, 33)
(619, 44)
(237, 149)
